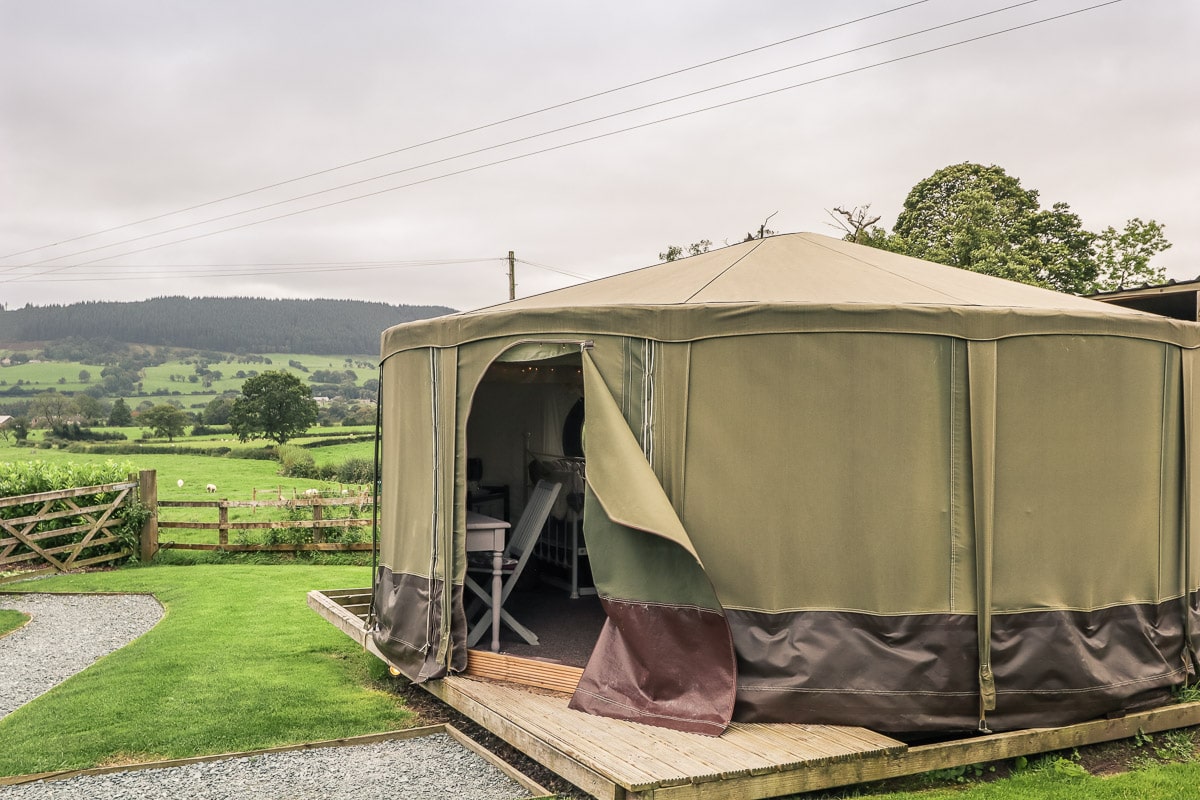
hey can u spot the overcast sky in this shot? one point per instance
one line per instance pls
(116, 111)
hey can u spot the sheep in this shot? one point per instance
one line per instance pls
(211, 488)
(179, 483)
(312, 492)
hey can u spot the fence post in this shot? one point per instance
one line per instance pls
(223, 523)
(318, 531)
(148, 496)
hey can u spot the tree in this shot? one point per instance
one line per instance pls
(1124, 257)
(674, 251)
(164, 420)
(273, 405)
(52, 409)
(217, 410)
(981, 218)
(970, 216)
(84, 376)
(91, 410)
(858, 226)
(120, 416)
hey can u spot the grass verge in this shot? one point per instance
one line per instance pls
(11, 620)
(238, 662)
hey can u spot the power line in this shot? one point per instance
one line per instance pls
(205, 271)
(476, 129)
(478, 151)
(566, 272)
(596, 137)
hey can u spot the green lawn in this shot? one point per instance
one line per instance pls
(1166, 782)
(11, 620)
(238, 662)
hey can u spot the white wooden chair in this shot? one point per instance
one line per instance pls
(516, 554)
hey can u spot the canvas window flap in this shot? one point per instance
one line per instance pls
(665, 656)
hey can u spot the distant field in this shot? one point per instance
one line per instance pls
(174, 377)
(46, 375)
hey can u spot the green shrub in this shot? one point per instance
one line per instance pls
(266, 453)
(356, 470)
(34, 477)
(150, 449)
(295, 462)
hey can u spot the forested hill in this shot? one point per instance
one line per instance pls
(226, 324)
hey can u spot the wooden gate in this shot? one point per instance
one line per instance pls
(63, 530)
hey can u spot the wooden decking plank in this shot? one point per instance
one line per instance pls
(862, 738)
(610, 746)
(599, 742)
(806, 752)
(783, 750)
(526, 671)
(555, 723)
(725, 756)
(597, 783)
(832, 742)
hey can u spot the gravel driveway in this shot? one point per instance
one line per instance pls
(33, 660)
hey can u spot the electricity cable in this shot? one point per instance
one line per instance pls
(476, 129)
(518, 140)
(857, 70)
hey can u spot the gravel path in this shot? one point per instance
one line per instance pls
(429, 768)
(33, 659)
(66, 634)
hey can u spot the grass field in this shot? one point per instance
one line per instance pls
(173, 377)
(238, 662)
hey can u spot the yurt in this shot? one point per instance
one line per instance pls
(819, 483)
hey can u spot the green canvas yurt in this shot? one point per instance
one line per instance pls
(824, 483)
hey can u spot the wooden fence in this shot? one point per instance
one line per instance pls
(31, 545)
(314, 506)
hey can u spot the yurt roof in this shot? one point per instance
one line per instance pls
(800, 281)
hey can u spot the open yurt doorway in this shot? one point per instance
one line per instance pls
(526, 425)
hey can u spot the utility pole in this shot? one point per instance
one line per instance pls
(512, 276)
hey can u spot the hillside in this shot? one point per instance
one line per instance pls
(227, 324)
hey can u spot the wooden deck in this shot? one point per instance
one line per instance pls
(618, 760)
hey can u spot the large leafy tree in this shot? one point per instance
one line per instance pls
(273, 405)
(980, 218)
(164, 420)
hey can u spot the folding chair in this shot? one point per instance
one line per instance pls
(516, 554)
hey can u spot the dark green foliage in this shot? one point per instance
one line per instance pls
(356, 470)
(214, 324)
(217, 410)
(73, 432)
(120, 416)
(273, 405)
(210, 430)
(165, 420)
(133, 448)
(981, 218)
(33, 477)
(295, 462)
